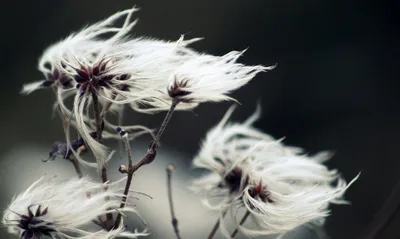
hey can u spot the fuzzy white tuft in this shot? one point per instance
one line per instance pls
(86, 42)
(280, 186)
(210, 78)
(280, 199)
(62, 209)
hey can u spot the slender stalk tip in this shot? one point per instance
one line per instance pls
(170, 168)
(174, 221)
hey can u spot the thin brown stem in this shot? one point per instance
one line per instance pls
(128, 152)
(170, 169)
(106, 108)
(244, 218)
(126, 191)
(77, 167)
(99, 132)
(97, 116)
(151, 152)
(129, 178)
(147, 158)
(216, 226)
(120, 145)
(164, 123)
(104, 176)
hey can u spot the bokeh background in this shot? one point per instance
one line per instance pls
(336, 87)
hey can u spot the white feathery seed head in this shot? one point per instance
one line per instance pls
(227, 149)
(208, 78)
(280, 186)
(65, 209)
(280, 199)
(85, 43)
(225, 140)
(148, 63)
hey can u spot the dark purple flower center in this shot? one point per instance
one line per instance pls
(233, 180)
(175, 90)
(27, 224)
(257, 191)
(90, 79)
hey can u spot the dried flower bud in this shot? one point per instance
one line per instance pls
(122, 132)
(123, 169)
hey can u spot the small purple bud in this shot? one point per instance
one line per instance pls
(121, 131)
(175, 90)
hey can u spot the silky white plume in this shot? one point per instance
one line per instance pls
(65, 209)
(86, 42)
(210, 78)
(280, 187)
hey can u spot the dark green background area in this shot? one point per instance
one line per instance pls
(335, 87)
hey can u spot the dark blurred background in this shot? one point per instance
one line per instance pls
(335, 86)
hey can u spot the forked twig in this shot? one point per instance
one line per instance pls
(147, 158)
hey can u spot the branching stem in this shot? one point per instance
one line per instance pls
(147, 158)
(99, 132)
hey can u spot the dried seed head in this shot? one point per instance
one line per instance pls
(89, 43)
(207, 78)
(63, 210)
(279, 186)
